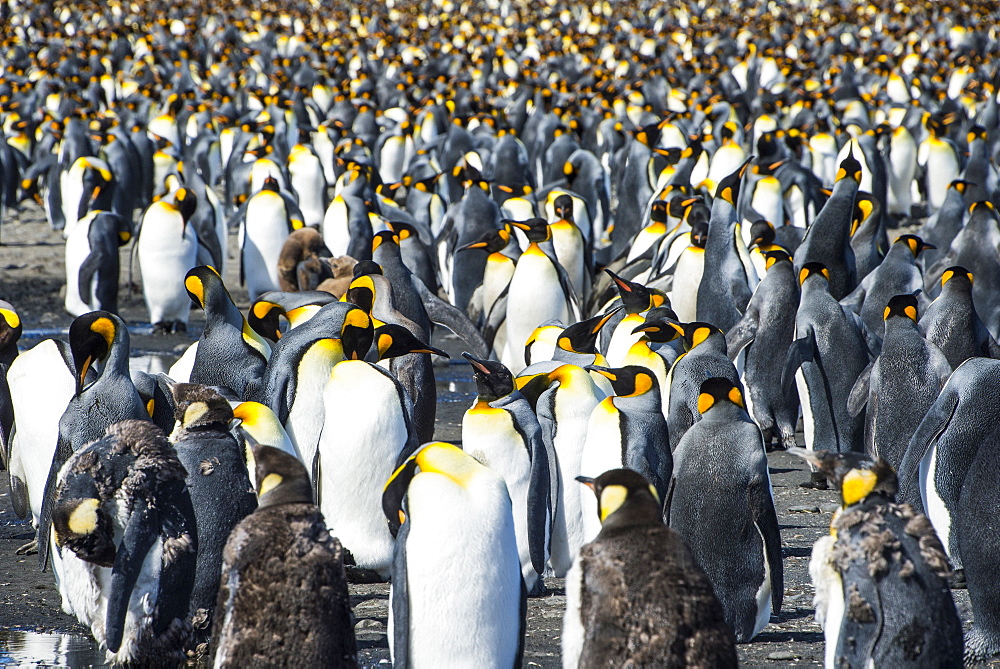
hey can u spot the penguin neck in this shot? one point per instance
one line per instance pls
(724, 412)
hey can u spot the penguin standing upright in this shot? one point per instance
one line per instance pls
(124, 520)
(539, 291)
(265, 227)
(638, 574)
(880, 575)
(625, 430)
(768, 328)
(563, 411)
(219, 487)
(455, 559)
(951, 323)
(229, 354)
(721, 484)
(900, 385)
(828, 239)
(724, 290)
(502, 432)
(829, 353)
(97, 337)
(92, 265)
(897, 274)
(283, 593)
(167, 249)
(367, 431)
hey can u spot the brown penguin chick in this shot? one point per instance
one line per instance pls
(635, 595)
(283, 595)
(343, 273)
(302, 244)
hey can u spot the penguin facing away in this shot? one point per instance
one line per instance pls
(724, 453)
(283, 593)
(455, 559)
(880, 575)
(635, 594)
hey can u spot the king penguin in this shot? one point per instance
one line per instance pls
(638, 574)
(283, 593)
(721, 502)
(880, 575)
(167, 249)
(626, 429)
(455, 559)
(219, 487)
(502, 432)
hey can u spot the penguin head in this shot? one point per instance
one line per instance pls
(270, 183)
(264, 317)
(204, 286)
(775, 256)
(659, 211)
(696, 333)
(624, 497)
(914, 243)
(98, 187)
(699, 233)
(963, 275)
(761, 233)
(865, 207)
(10, 326)
(386, 239)
(813, 269)
(582, 337)
(356, 334)
(716, 391)
(849, 168)
(81, 523)
(636, 297)
(660, 326)
(403, 231)
(857, 476)
(493, 379)
(535, 229)
(628, 381)
(729, 188)
(362, 292)
(435, 457)
(492, 242)
(281, 478)
(395, 340)
(983, 208)
(904, 306)
(186, 202)
(91, 337)
(197, 406)
(563, 207)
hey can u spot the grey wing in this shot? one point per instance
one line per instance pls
(858, 398)
(454, 319)
(400, 602)
(765, 518)
(933, 425)
(743, 333)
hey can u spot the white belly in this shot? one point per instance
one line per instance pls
(164, 258)
(77, 250)
(534, 297)
(601, 452)
(934, 506)
(266, 229)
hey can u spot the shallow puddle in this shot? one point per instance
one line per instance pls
(35, 649)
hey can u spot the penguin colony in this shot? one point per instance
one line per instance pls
(662, 234)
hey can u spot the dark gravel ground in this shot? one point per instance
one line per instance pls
(32, 277)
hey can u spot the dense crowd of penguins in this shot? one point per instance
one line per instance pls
(662, 232)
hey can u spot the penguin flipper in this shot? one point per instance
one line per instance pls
(316, 474)
(451, 317)
(933, 425)
(539, 506)
(765, 518)
(668, 500)
(861, 631)
(19, 496)
(800, 351)
(401, 601)
(140, 534)
(90, 265)
(858, 398)
(496, 318)
(63, 452)
(742, 334)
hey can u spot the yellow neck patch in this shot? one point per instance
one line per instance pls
(705, 402)
(104, 327)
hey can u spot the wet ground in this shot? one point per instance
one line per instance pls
(35, 632)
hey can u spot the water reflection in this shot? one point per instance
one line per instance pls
(35, 649)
